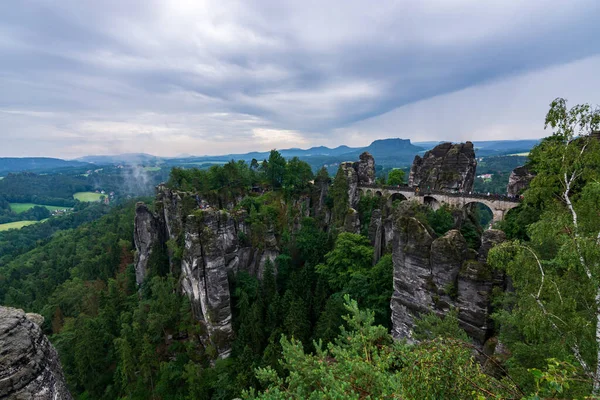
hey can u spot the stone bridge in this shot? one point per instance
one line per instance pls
(499, 204)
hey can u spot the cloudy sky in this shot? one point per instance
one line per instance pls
(216, 76)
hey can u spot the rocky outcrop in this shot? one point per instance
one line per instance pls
(519, 180)
(446, 167)
(439, 274)
(365, 168)
(349, 170)
(206, 247)
(146, 236)
(29, 364)
(320, 191)
(380, 234)
(352, 221)
(358, 173)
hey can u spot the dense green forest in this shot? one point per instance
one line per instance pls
(317, 324)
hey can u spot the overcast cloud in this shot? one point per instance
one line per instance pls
(215, 76)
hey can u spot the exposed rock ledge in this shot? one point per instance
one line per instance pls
(29, 364)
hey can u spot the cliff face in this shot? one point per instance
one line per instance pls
(147, 234)
(519, 180)
(205, 247)
(438, 274)
(380, 233)
(29, 364)
(446, 167)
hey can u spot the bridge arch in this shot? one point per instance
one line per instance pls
(397, 196)
(432, 202)
(378, 193)
(394, 197)
(483, 210)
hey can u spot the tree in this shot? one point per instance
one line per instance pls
(298, 175)
(563, 253)
(365, 363)
(350, 257)
(395, 177)
(275, 169)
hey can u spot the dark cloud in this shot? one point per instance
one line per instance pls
(202, 76)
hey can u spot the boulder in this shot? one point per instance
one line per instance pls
(29, 364)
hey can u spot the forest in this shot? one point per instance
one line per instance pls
(317, 325)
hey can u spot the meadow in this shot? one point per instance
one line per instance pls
(16, 225)
(87, 196)
(22, 207)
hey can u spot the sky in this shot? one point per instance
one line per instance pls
(207, 77)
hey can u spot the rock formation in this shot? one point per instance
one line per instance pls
(29, 364)
(358, 173)
(519, 180)
(380, 233)
(206, 246)
(146, 236)
(348, 169)
(438, 274)
(446, 167)
(365, 169)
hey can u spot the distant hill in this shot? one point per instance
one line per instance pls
(126, 158)
(392, 152)
(503, 147)
(16, 164)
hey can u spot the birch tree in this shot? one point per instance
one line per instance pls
(555, 309)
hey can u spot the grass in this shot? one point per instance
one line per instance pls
(525, 154)
(87, 196)
(152, 169)
(22, 207)
(16, 225)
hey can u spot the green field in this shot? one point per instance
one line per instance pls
(525, 154)
(22, 207)
(88, 196)
(151, 169)
(16, 225)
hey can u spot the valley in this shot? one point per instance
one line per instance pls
(227, 270)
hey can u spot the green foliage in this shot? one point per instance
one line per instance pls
(441, 220)
(298, 175)
(275, 169)
(365, 207)
(351, 256)
(432, 326)
(339, 198)
(348, 268)
(544, 316)
(311, 241)
(395, 177)
(364, 362)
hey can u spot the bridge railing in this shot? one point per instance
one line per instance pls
(425, 192)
